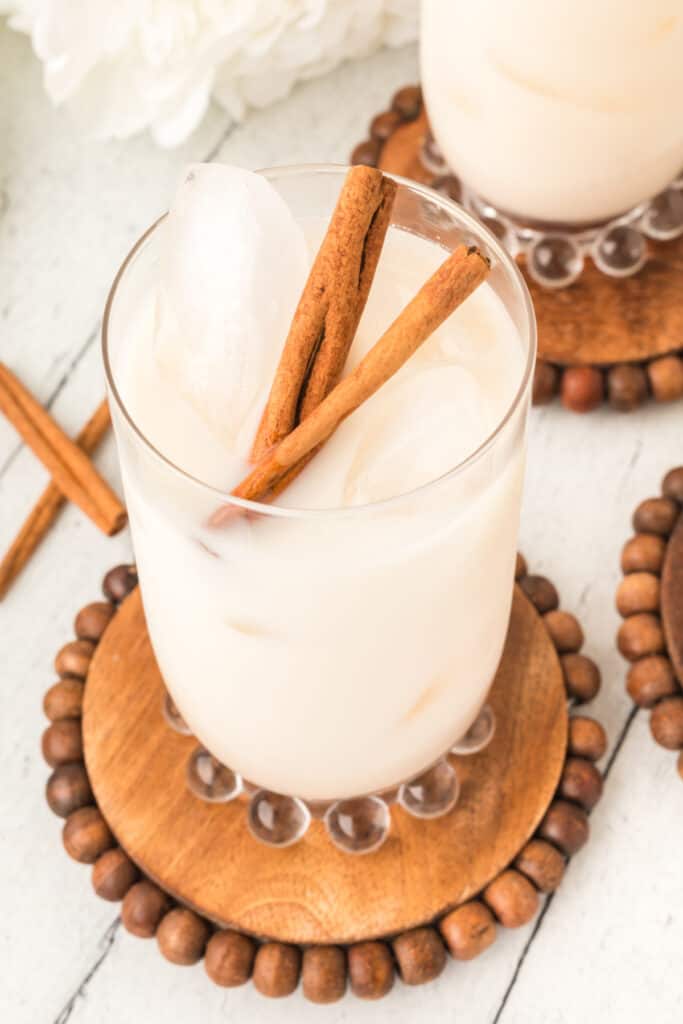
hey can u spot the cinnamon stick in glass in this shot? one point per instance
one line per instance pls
(331, 305)
(446, 289)
(68, 465)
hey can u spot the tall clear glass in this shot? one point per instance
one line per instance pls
(554, 113)
(331, 653)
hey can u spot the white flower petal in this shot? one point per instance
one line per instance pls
(134, 64)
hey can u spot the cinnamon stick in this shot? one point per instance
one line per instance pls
(446, 289)
(330, 306)
(69, 466)
(45, 510)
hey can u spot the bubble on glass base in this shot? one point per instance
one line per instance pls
(620, 250)
(554, 261)
(277, 820)
(359, 825)
(174, 718)
(432, 158)
(210, 780)
(433, 793)
(663, 219)
(479, 734)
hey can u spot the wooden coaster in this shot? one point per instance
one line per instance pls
(650, 600)
(190, 873)
(619, 339)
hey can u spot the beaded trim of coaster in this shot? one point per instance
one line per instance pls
(618, 340)
(369, 968)
(650, 600)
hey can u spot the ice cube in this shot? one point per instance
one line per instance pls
(234, 264)
(432, 420)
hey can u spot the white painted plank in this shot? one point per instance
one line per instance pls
(137, 982)
(610, 946)
(585, 476)
(74, 209)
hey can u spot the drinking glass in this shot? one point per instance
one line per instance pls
(328, 660)
(562, 119)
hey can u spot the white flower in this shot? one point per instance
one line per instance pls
(128, 65)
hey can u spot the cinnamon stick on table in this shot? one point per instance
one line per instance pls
(69, 466)
(44, 512)
(330, 306)
(446, 289)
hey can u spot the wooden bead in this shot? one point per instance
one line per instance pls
(520, 567)
(366, 153)
(541, 593)
(468, 930)
(512, 898)
(74, 658)
(565, 631)
(672, 484)
(407, 102)
(91, 621)
(640, 635)
(384, 125)
(643, 553)
(276, 969)
(323, 974)
(119, 582)
(565, 825)
(582, 388)
(626, 386)
(113, 874)
(638, 592)
(229, 958)
(371, 969)
(545, 384)
(143, 907)
(182, 936)
(666, 723)
(67, 789)
(587, 738)
(420, 954)
(581, 781)
(86, 835)
(666, 378)
(542, 863)
(656, 515)
(651, 679)
(62, 742)
(64, 699)
(581, 677)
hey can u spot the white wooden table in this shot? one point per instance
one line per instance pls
(608, 947)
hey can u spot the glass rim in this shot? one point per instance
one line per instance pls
(465, 220)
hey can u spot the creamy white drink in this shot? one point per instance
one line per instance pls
(345, 638)
(559, 112)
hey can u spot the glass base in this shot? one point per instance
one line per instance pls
(355, 825)
(555, 255)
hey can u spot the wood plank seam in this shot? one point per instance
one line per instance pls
(551, 896)
(107, 941)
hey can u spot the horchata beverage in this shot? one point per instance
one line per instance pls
(341, 637)
(557, 112)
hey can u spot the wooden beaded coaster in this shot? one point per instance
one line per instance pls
(650, 600)
(190, 873)
(602, 338)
